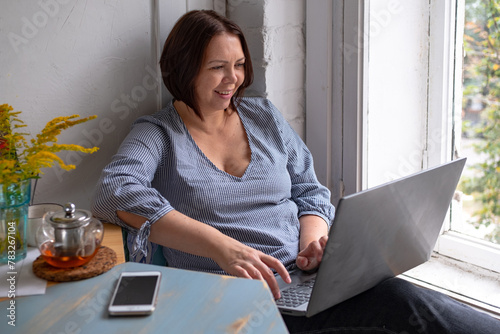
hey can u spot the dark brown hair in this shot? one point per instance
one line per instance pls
(184, 50)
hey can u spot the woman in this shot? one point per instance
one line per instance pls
(226, 186)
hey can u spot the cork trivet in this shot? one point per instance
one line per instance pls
(104, 260)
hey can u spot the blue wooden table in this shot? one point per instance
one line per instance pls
(188, 302)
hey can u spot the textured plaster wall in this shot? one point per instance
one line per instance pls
(275, 30)
(64, 57)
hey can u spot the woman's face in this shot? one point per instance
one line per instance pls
(221, 74)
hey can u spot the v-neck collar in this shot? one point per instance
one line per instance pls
(203, 155)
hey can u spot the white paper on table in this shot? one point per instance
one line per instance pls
(26, 283)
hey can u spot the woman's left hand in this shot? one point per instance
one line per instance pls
(310, 257)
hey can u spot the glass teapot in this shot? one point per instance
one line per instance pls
(69, 238)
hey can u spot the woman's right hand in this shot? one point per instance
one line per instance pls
(240, 260)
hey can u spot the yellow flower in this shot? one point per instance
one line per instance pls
(20, 160)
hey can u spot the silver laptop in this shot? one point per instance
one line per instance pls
(376, 234)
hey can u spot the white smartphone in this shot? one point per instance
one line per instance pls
(135, 293)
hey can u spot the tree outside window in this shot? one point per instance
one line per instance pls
(481, 116)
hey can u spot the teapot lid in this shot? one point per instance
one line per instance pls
(70, 217)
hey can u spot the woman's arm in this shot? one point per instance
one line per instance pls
(312, 198)
(125, 183)
(313, 238)
(177, 231)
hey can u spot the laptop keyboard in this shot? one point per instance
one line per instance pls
(296, 295)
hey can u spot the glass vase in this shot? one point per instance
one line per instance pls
(14, 203)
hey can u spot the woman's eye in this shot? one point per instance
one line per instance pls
(220, 67)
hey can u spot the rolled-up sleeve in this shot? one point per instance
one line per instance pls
(125, 183)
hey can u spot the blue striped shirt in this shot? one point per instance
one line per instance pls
(159, 168)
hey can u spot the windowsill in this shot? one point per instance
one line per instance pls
(472, 285)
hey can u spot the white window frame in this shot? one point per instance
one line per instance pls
(336, 93)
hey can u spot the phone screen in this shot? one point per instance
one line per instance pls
(136, 290)
(135, 293)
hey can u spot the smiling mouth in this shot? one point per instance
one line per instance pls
(224, 92)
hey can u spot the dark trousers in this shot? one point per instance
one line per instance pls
(397, 306)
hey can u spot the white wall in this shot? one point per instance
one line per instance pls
(275, 32)
(73, 57)
(64, 57)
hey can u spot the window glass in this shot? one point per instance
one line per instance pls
(480, 122)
